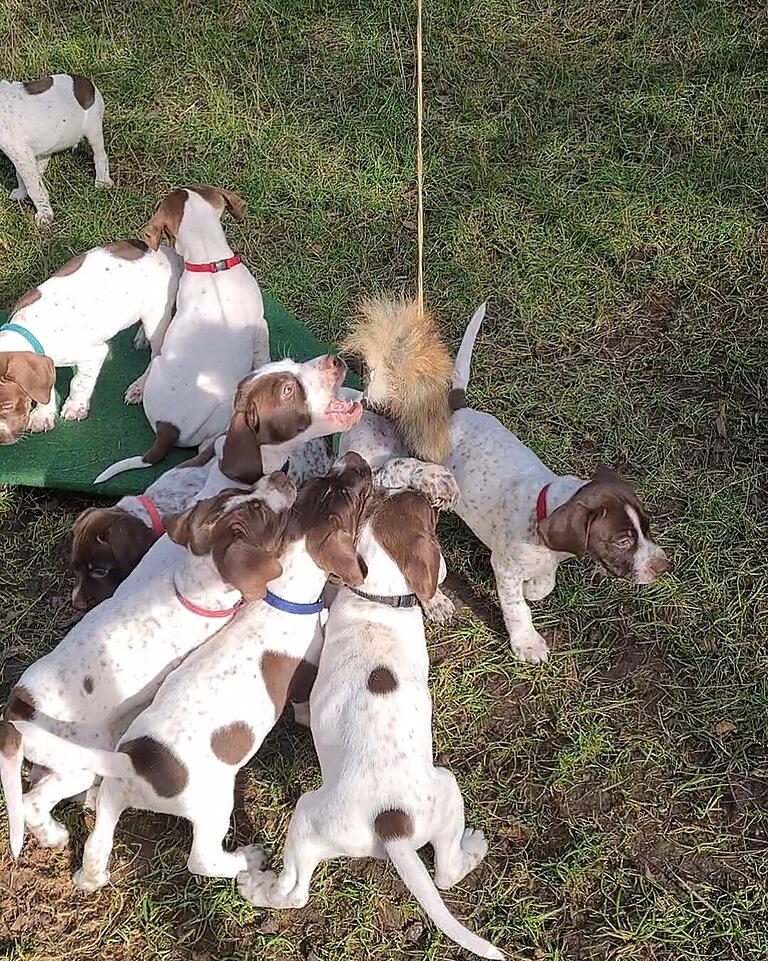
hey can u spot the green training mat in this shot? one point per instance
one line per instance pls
(74, 452)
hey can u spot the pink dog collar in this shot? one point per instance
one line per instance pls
(158, 528)
(203, 611)
(215, 267)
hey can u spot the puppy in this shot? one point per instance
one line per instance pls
(113, 661)
(217, 336)
(43, 117)
(213, 712)
(68, 321)
(370, 715)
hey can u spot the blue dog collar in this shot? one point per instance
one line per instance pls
(289, 607)
(33, 342)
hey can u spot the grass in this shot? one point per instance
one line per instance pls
(598, 172)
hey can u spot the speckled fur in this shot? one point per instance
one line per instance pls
(375, 752)
(126, 645)
(76, 315)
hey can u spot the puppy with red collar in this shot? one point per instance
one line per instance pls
(218, 333)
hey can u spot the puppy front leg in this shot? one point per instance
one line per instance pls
(81, 388)
(20, 193)
(154, 324)
(110, 803)
(28, 175)
(43, 417)
(524, 639)
(44, 796)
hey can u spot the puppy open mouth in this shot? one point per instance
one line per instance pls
(347, 412)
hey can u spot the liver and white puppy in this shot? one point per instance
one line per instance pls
(43, 117)
(218, 333)
(279, 408)
(108, 542)
(529, 517)
(370, 715)
(213, 712)
(112, 662)
(68, 321)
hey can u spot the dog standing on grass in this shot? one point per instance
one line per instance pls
(44, 117)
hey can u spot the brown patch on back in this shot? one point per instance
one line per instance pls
(71, 266)
(88, 684)
(85, 92)
(10, 739)
(127, 249)
(278, 671)
(381, 681)
(457, 399)
(157, 765)
(166, 435)
(38, 86)
(21, 705)
(404, 525)
(392, 824)
(232, 742)
(26, 300)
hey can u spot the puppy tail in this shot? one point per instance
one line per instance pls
(46, 744)
(11, 757)
(166, 437)
(463, 362)
(416, 878)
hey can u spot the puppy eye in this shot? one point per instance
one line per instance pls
(97, 571)
(624, 541)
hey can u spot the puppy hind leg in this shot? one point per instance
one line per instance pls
(111, 801)
(81, 388)
(94, 134)
(154, 324)
(207, 856)
(458, 849)
(20, 193)
(40, 801)
(28, 173)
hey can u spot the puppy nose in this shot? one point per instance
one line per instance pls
(659, 565)
(79, 601)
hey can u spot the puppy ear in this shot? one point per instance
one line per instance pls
(130, 539)
(177, 526)
(35, 375)
(166, 219)
(336, 554)
(246, 568)
(237, 205)
(421, 568)
(566, 530)
(153, 231)
(241, 457)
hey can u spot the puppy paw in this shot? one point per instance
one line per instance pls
(19, 193)
(44, 218)
(473, 848)
(140, 341)
(530, 646)
(89, 883)
(255, 857)
(74, 410)
(104, 184)
(41, 421)
(438, 485)
(135, 392)
(255, 886)
(440, 610)
(53, 835)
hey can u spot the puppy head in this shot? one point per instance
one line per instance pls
(404, 525)
(241, 530)
(606, 520)
(24, 378)
(283, 401)
(169, 213)
(327, 513)
(107, 543)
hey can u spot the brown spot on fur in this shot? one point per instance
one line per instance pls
(457, 399)
(271, 409)
(26, 300)
(381, 681)
(71, 266)
(166, 435)
(88, 684)
(21, 705)
(157, 765)
(404, 525)
(232, 742)
(278, 670)
(38, 86)
(84, 90)
(392, 824)
(10, 739)
(127, 249)
(410, 371)
(166, 219)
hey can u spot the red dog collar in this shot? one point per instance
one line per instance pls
(215, 267)
(203, 611)
(541, 504)
(158, 528)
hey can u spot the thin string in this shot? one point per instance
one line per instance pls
(419, 161)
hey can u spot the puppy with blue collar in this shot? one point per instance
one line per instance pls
(43, 117)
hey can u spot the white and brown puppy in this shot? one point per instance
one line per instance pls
(370, 714)
(213, 712)
(113, 661)
(218, 333)
(43, 117)
(108, 542)
(68, 321)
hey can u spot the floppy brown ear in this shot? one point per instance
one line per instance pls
(35, 375)
(246, 568)
(177, 527)
(421, 568)
(241, 457)
(152, 231)
(567, 529)
(336, 554)
(236, 204)
(130, 539)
